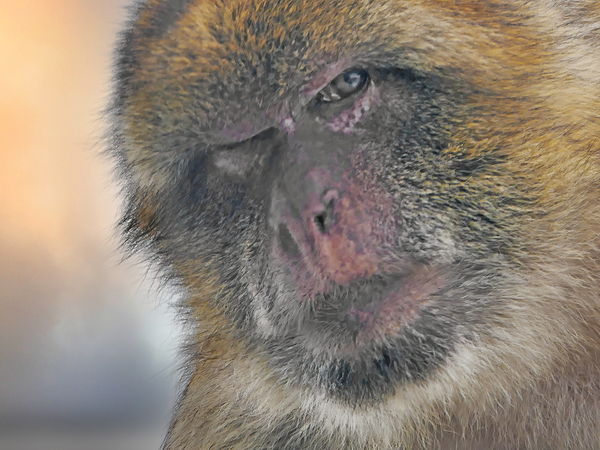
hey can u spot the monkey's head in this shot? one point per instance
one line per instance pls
(388, 203)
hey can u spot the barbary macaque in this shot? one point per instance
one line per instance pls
(385, 216)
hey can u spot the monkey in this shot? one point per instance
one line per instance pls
(383, 214)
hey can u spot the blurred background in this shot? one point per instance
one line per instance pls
(87, 342)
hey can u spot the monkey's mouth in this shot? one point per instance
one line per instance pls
(378, 308)
(399, 305)
(357, 292)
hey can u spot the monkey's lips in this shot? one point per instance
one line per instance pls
(372, 311)
(397, 307)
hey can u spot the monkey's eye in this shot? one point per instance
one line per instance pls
(342, 86)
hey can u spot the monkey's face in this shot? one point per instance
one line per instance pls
(367, 200)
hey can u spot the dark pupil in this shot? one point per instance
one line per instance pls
(354, 78)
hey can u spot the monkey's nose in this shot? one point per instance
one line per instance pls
(340, 235)
(325, 231)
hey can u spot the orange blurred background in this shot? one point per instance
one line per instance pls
(86, 344)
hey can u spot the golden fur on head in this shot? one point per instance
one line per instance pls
(497, 189)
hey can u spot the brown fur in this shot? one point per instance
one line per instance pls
(532, 68)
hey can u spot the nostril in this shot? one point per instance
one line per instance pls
(324, 219)
(320, 221)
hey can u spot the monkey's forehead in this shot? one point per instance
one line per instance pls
(197, 38)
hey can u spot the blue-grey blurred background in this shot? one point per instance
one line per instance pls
(87, 343)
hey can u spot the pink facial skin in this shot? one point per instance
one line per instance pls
(346, 121)
(288, 125)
